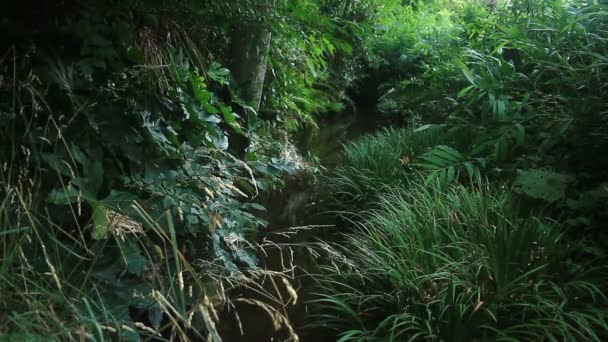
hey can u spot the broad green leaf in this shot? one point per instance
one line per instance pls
(132, 258)
(60, 166)
(427, 166)
(541, 184)
(472, 171)
(101, 224)
(218, 73)
(466, 71)
(117, 198)
(92, 169)
(464, 91)
(443, 177)
(424, 128)
(451, 173)
(230, 118)
(448, 153)
(501, 150)
(63, 196)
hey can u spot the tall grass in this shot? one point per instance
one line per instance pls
(459, 265)
(374, 163)
(37, 300)
(56, 284)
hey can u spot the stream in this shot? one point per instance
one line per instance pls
(298, 205)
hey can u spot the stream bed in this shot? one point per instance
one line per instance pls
(298, 220)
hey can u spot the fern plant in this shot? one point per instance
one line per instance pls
(445, 165)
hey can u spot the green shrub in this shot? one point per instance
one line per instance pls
(458, 265)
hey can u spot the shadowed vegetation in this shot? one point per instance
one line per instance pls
(376, 170)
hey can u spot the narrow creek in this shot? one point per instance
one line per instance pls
(297, 208)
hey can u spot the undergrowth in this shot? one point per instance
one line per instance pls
(483, 218)
(388, 159)
(137, 284)
(459, 265)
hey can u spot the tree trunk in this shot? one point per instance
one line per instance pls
(250, 45)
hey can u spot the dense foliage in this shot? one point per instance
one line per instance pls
(459, 265)
(131, 156)
(488, 206)
(143, 140)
